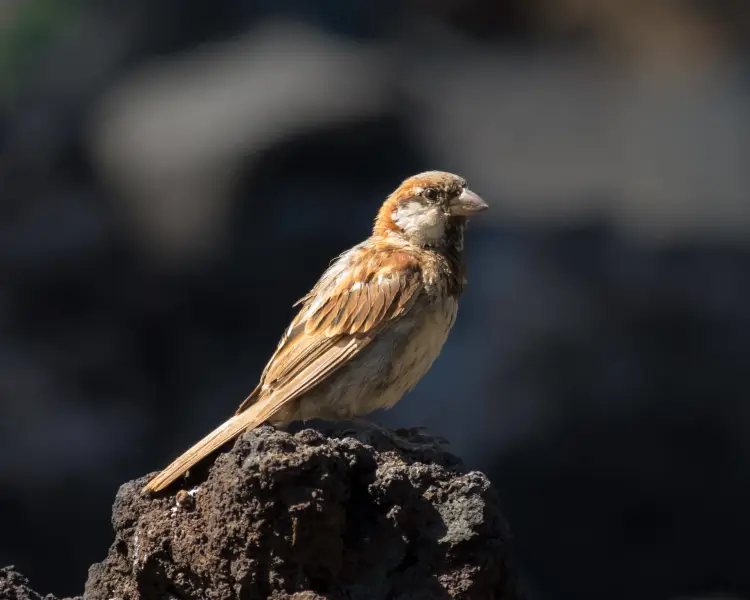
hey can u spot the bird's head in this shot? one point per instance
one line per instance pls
(428, 209)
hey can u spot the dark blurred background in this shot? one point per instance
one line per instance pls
(175, 174)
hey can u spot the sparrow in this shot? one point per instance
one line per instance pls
(373, 324)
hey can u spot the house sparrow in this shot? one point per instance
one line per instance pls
(373, 324)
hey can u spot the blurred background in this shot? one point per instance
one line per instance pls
(175, 174)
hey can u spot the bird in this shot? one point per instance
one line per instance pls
(372, 325)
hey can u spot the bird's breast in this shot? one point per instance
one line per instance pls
(388, 367)
(406, 352)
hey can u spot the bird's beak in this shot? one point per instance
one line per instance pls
(466, 204)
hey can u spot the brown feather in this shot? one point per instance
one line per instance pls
(362, 291)
(316, 344)
(363, 309)
(209, 444)
(249, 401)
(350, 313)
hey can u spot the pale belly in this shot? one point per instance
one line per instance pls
(384, 370)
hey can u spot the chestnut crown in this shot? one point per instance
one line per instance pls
(426, 208)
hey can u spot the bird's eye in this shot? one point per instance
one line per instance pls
(430, 193)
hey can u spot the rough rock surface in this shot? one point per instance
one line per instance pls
(352, 514)
(14, 586)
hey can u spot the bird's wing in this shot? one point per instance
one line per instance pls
(340, 316)
(358, 295)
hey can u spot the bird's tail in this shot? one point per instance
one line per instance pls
(249, 419)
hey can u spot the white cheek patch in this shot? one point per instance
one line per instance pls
(423, 222)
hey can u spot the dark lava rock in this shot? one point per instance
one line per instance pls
(14, 586)
(354, 514)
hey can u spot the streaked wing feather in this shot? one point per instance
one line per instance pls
(339, 318)
(332, 327)
(311, 375)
